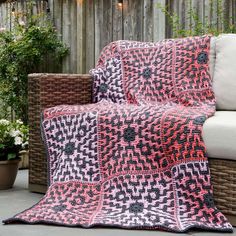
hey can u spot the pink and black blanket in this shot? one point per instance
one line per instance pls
(135, 158)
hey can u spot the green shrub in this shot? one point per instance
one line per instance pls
(22, 50)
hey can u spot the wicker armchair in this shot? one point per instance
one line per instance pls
(47, 90)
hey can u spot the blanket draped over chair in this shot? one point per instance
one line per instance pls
(135, 158)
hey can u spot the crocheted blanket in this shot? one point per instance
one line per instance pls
(136, 157)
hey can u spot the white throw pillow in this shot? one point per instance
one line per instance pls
(212, 56)
(224, 76)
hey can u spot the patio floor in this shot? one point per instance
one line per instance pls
(19, 198)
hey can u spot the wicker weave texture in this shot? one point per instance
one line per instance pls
(47, 90)
(223, 177)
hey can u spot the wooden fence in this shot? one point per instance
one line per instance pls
(86, 26)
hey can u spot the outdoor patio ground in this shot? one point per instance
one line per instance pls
(19, 198)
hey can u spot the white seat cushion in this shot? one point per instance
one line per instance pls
(219, 135)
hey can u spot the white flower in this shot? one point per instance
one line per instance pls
(2, 29)
(19, 122)
(17, 38)
(15, 133)
(4, 122)
(18, 140)
(21, 23)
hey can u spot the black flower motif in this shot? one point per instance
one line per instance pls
(155, 63)
(129, 134)
(199, 120)
(147, 73)
(69, 148)
(144, 148)
(103, 88)
(59, 208)
(73, 203)
(202, 58)
(208, 200)
(136, 207)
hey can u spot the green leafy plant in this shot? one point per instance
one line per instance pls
(22, 50)
(13, 139)
(199, 26)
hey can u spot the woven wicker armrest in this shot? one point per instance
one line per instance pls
(47, 90)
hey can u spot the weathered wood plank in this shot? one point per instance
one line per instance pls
(220, 15)
(188, 20)
(73, 36)
(231, 14)
(226, 14)
(133, 23)
(117, 22)
(179, 11)
(198, 9)
(90, 29)
(21, 9)
(2, 25)
(103, 25)
(106, 30)
(57, 16)
(98, 20)
(159, 20)
(38, 7)
(234, 12)
(7, 16)
(207, 13)
(168, 28)
(51, 7)
(148, 20)
(66, 33)
(57, 21)
(81, 43)
(213, 14)
(52, 67)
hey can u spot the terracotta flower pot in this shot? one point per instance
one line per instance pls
(8, 171)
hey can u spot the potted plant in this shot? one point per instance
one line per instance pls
(13, 139)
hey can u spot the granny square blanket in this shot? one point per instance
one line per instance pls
(135, 158)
